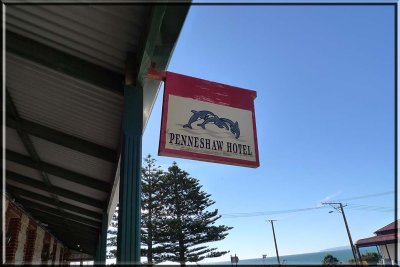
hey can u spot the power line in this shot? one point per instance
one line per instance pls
(366, 196)
(263, 213)
(360, 207)
(371, 208)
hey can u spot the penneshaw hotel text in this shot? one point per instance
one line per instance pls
(206, 143)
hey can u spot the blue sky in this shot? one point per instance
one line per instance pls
(324, 77)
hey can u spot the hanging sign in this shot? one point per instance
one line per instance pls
(208, 121)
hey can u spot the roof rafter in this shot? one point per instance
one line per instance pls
(58, 171)
(54, 212)
(162, 35)
(61, 222)
(28, 144)
(62, 139)
(64, 63)
(32, 152)
(25, 193)
(12, 176)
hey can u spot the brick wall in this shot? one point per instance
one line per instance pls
(26, 241)
(13, 229)
(49, 261)
(19, 254)
(46, 248)
(54, 252)
(58, 258)
(30, 242)
(36, 259)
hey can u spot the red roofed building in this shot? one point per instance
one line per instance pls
(386, 240)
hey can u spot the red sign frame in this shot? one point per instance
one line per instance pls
(207, 91)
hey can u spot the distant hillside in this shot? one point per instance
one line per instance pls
(335, 248)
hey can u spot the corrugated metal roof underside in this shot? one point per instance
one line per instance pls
(105, 33)
(68, 105)
(63, 103)
(73, 160)
(45, 193)
(14, 142)
(55, 207)
(39, 191)
(23, 170)
(77, 188)
(99, 34)
(55, 181)
(79, 204)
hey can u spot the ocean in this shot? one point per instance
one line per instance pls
(314, 258)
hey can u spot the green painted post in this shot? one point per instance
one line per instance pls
(128, 249)
(97, 258)
(102, 243)
(103, 239)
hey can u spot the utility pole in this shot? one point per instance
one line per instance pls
(276, 246)
(356, 260)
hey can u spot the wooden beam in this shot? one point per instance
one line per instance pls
(12, 176)
(11, 108)
(162, 36)
(149, 43)
(61, 222)
(67, 215)
(62, 139)
(25, 193)
(58, 171)
(54, 212)
(154, 74)
(64, 62)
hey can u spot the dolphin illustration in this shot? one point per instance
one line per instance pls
(215, 120)
(198, 115)
(234, 126)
